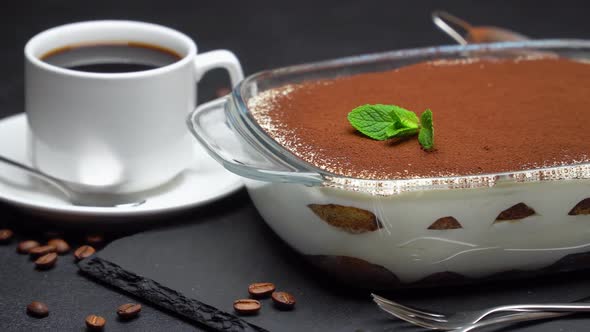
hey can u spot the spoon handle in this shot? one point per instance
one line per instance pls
(452, 26)
(464, 33)
(36, 173)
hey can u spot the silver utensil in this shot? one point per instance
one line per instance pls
(514, 318)
(80, 195)
(465, 33)
(438, 321)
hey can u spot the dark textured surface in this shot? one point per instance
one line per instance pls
(264, 34)
(164, 297)
(69, 296)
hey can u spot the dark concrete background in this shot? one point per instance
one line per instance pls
(267, 34)
(263, 34)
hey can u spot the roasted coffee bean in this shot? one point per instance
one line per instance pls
(46, 261)
(246, 306)
(129, 310)
(261, 289)
(95, 323)
(61, 246)
(5, 235)
(283, 300)
(38, 309)
(42, 250)
(25, 246)
(94, 239)
(83, 252)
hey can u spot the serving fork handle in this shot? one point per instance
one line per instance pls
(513, 318)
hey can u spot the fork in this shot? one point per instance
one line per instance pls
(512, 318)
(458, 320)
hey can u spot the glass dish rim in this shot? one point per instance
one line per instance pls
(386, 187)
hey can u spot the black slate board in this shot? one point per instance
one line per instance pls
(214, 259)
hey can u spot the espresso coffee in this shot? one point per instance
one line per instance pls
(111, 57)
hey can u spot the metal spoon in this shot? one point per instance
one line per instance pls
(78, 195)
(465, 33)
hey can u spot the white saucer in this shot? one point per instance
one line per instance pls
(204, 183)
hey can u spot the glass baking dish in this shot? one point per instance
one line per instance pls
(409, 232)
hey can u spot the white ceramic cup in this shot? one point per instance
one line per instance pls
(115, 132)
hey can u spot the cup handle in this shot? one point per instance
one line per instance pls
(219, 59)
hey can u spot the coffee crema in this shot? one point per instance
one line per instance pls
(111, 57)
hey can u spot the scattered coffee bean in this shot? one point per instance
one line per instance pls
(41, 250)
(46, 261)
(94, 239)
(246, 306)
(95, 323)
(38, 309)
(129, 310)
(283, 300)
(261, 289)
(25, 246)
(61, 246)
(83, 252)
(5, 235)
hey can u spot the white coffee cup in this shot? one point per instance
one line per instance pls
(119, 132)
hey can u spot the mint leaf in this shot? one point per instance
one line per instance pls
(407, 119)
(373, 120)
(402, 132)
(382, 122)
(426, 135)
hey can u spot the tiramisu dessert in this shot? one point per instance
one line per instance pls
(416, 167)
(492, 120)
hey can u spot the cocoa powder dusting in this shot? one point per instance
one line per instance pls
(489, 116)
